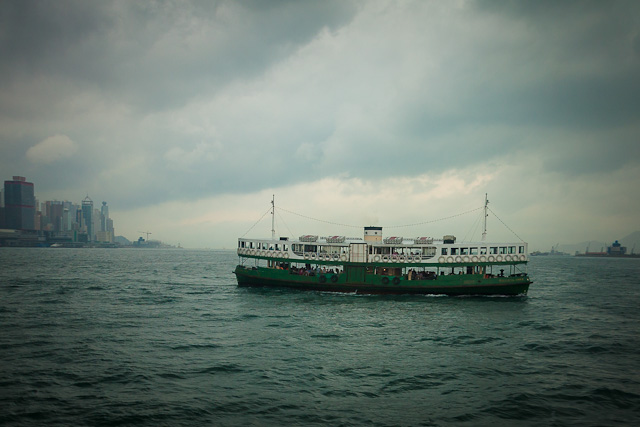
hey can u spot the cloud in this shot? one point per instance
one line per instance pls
(52, 149)
(178, 102)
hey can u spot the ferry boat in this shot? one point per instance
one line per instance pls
(375, 264)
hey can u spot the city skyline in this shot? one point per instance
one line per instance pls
(65, 221)
(189, 116)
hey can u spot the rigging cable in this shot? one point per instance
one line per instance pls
(435, 220)
(390, 226)
(319, 220)
(285, 224)
(514, 233)
(472, 230)
(263, 215)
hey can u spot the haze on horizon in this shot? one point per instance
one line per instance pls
(186, 117)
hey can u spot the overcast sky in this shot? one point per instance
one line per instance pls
(186, 117)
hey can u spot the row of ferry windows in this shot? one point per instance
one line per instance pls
(264, 246)
(492, 250)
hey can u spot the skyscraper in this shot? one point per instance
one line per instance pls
(87, 213)
(104, 216)
(20, 204)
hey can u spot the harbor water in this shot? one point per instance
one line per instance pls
(125, 337)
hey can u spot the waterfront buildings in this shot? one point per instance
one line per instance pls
(19, 204)
(26, 222)
(87, 217)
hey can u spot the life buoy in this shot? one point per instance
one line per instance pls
(491, 258)
(385, 280)
(396, 280)
(483, 258)
(499, 258)
(458, 258)
(334, 278)
(286, 255)
(507, 258)
(385, 258)
(343, 257)
(306, 255)
(466, 258)
(474, 258)
(449, 258)
(523, 257)
(335, 257)
(376, 258)
(323, 279)
(314, 255)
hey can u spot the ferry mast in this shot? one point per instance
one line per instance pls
(273, 217)
(486, 206)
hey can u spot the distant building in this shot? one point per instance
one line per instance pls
(104, 216)
(20, 204)
(87, 216)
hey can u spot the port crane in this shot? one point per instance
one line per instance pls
(147, 233)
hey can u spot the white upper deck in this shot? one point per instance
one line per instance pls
(374, 248)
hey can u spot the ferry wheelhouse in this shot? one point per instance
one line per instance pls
(385, 265)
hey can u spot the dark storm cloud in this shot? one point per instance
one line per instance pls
(154, 54)
(176, 100)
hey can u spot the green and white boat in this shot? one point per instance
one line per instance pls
(377, 265)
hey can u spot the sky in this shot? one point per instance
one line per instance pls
(187, 117)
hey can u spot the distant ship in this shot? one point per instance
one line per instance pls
(554, 252)
(616, 250)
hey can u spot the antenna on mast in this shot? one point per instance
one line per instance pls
(486, 206)
(273, 217)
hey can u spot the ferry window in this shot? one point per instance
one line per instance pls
(464, 251)
(520, 249)
(512, 249)
(242, 244)
(428, 251)
(483, 251)
(474, 251)
(454, 251)
(503, 250)
(444, 251)
(493, 250)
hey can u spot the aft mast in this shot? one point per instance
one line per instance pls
(273, 217)
(486, 206)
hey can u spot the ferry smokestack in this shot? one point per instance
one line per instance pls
(373, 234)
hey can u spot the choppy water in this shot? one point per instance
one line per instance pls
(165, 337)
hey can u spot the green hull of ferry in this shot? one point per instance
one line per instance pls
(356, 278)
